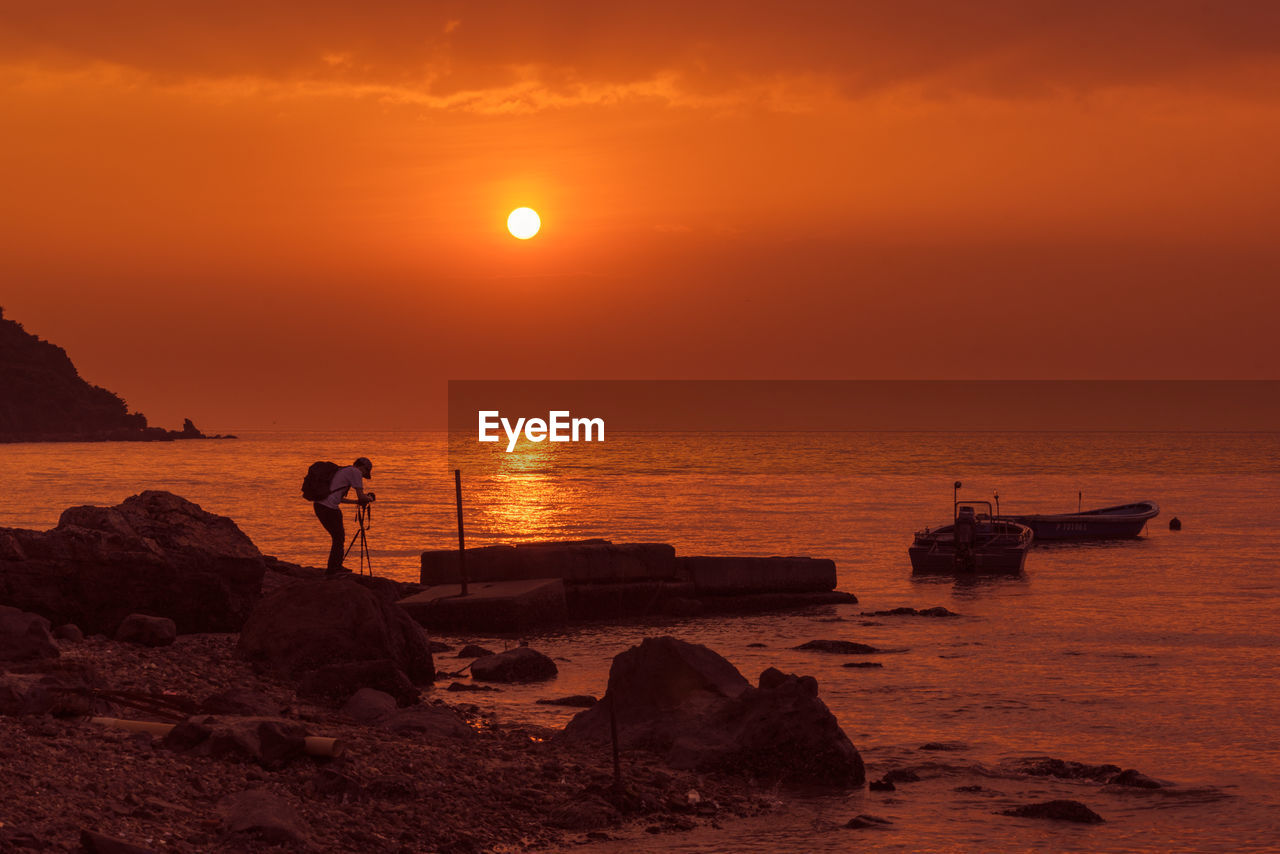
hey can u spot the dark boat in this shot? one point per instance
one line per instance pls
(1123, 520)
(974, 543)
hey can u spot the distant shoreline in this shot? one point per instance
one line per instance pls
(153, 434)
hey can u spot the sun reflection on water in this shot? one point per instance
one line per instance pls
(522, 495)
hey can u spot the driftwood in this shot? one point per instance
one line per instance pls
(315, 745)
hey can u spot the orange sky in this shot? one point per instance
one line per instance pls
(920, 189)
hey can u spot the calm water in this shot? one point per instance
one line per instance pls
(1158, 654)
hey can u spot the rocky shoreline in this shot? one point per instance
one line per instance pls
(243, 664)
(448, 778)
(145, 434)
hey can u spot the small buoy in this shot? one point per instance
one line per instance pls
(1175, 524)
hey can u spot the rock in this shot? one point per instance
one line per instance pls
(581, 701)
(662, 674)
(839, 646)
(936, 611)
(61, 694)
(25, 637)
(1047, 766)
(317, 624)
(1135, 778)
(98, 843)
(1175, 524)
(272, 744)
(466, 686)
(386, 589)
(859, 822)
(434, 722)
(369, 705)
(882, 786)
(863, 665)
(262, 815)
(338, 682)
(146, 630)
(155, 553)
(521, 664)
(69, 632)
(437, 646)
(773, 678)
(687, 703)
(187, 735)
(1060, 810)
(269, 743)
(901, 775)
(473, 651)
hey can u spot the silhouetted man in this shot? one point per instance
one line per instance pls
(329, 511)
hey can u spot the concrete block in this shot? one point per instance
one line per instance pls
(628, 599)
(490, 606)
(600, 563)
(745, 575)
(583, 561)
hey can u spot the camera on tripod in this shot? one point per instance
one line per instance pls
(364, 519)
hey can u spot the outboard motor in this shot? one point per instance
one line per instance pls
(966, 531)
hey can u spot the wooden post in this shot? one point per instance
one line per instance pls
(462, 545)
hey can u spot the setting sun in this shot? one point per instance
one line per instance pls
(523, 223)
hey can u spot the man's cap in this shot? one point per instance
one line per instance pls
(364, 463)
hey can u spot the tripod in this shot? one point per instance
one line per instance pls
(364, 519)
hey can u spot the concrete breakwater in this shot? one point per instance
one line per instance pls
(514, 588)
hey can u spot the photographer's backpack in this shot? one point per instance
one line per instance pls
(315, 486)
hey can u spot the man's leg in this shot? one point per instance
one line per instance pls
(331, 518)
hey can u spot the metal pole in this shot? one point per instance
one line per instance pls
(462, 545)
(613, 732)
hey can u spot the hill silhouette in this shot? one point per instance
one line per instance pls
(44, 399)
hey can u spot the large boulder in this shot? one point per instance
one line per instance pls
(690, 705)
(262, 815)
(155, 553)
(25, 637)
(337, 682)
(318, 624)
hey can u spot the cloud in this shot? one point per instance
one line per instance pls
(513, 57)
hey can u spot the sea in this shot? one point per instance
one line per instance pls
(1158, 653)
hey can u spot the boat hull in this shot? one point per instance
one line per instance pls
(942, 561)
(1122, 522)
(999, 548)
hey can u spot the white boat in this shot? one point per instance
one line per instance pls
(976, 542)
